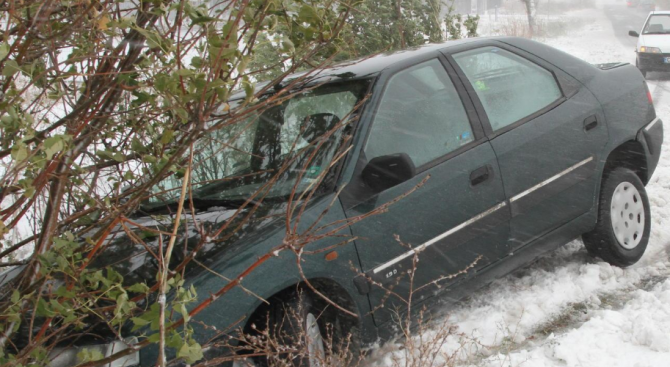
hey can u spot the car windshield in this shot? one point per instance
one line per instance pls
(657, 24)
(295, 140)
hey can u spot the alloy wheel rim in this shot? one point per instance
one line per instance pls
(315, 346)
(627, 215)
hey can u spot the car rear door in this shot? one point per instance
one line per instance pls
(456, 221)
(546, 129)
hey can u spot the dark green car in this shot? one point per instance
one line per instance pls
(525, 148)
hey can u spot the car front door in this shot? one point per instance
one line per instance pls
(457, 220)
(546, 130)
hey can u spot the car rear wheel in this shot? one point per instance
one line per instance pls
(624, 219)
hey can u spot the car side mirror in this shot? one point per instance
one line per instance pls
(633, 34)
(384, 172)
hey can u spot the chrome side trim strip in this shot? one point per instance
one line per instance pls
(550, 180)
(438, 238)
(651, 124)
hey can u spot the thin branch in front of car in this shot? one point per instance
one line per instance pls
(246, 290)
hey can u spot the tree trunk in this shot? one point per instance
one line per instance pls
(401, 29)
(531, 11)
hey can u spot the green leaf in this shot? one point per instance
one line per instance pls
(184, 72)
(154, 40)
(182, 113)
(242, 66)
(119, 157)
(27, 186)
(11, 68)
(154, 338)
(200, 19)
(141, 98)
(191, 353)
(43, 309)
(64, 293)
(288, 46)
(197, 15)
(123, 23)
(3, 229)
(139, 322)
(137, 146)
(229, 30)
(196, 61)
(308, 14)
(149, 159)
(167, 136)
(139, 288)
(88, 355)
(162, 82)
(4, 50)
(248, 90)
(174, 340)
(16, 295)
(19, 151)
(53, 145)
(219, 53)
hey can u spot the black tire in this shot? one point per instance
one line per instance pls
(602, 241)
(643, 71)
(286, 321)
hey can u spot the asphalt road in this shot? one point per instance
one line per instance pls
(625, 19)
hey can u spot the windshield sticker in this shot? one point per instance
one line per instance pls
(481, 85)
(313, 172)
(465, 137)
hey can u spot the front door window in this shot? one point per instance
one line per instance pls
(420, 114)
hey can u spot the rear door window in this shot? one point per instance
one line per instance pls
(509, 87)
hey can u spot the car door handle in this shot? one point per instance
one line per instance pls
(480, 175)
(590, 123)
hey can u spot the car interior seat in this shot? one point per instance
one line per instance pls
(653, 28)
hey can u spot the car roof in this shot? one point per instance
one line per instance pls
(376, 63)
(658, 12)
(368, 67)
(365, 67)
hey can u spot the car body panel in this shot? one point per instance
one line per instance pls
(627, 110)
(651, 137)
(450, 248)
(544, 196)
(276, 274)
(541, 196)
(661, 41)
(419, 219)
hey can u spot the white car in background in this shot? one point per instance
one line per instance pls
(653, 45)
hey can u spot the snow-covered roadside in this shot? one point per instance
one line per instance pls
(572, 310)
(594, 42)
(569, 309)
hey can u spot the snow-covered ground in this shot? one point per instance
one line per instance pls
(569, 309)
